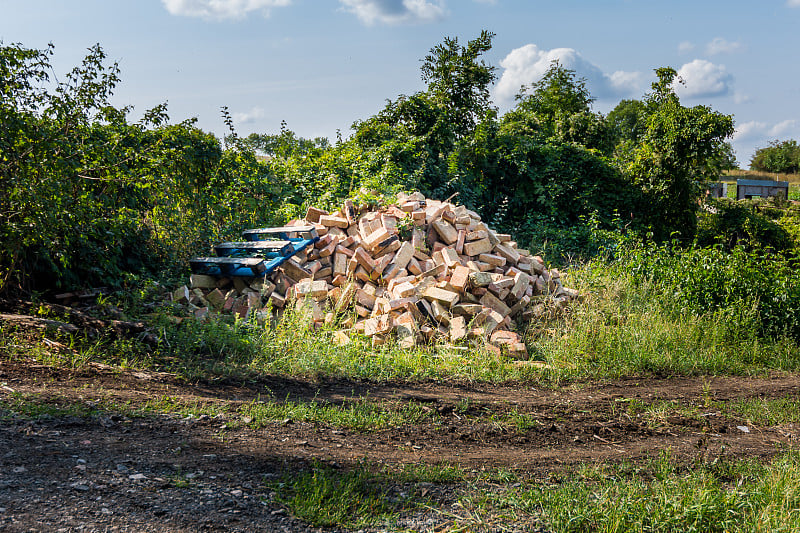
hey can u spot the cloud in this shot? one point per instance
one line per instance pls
(221, 9)
(793, 3)
(749, 130)
(741, 98)
(527, 64)
(703, 78)
(248, 117)
(781, 128)
(761, 130)
(721, 46)
(685, 47)
(395, 12)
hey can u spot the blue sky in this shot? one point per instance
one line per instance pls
(320, 65)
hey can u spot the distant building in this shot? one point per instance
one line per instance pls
(748, 189)
(716, 190)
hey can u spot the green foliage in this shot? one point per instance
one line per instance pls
(93, 198)
(724, 158)
(754, 291)
(285, 144)
(677, 151)
(779, 156)
(358, 414)
(558, 107)
(632, 325)
(741, 223)
(89, 198)
(664, 497)
(458, 82)
(327, 497)
(628, 120)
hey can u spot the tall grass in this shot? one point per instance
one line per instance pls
(628, 326)
(289, 347)
(651, 311)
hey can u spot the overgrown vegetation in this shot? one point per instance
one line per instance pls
(666, 497)
(659, 496)
(94, 199)
(779, 157)
(90, 198)
(671, 285)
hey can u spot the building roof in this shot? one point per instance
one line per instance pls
(763, 183)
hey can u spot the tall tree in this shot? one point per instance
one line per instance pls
(415, 136)
(459, 81)
(559, 107)
(777, 157)
(628, 120)
(677, 151)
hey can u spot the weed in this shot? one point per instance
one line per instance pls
(325, 496)
(661, 497)
(427, 473)
(358, 414)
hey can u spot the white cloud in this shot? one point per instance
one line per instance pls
(685, 47)
(721, 46)
(781, 128)
(703, 78)
(741, 98)
(793, 3)
(749, 130)
(395, 12)
(221, 9)
(761, 130)
(248, 117)
(527, 64)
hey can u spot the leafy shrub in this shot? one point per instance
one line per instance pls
(781, 157)
(742, 223)
(89, 198)
(755, 291)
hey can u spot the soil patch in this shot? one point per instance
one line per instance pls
(170, 473)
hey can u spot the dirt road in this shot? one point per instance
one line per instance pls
(110, 472)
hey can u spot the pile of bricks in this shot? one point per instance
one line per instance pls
(422, 270)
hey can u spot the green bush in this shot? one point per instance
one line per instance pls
(743, 223)
(781, 157)
(755, 291)
(90, 198)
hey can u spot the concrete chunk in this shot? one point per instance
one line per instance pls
(480, 279)
(509, 253)
(332, 221)
(315, 289)
(460, 278)
(450, 257)
(521, 283)
(377, 325)
(313, 214)
(201, 281)
(458, 328)
(404, 255)
(374, 239)
(489, 300)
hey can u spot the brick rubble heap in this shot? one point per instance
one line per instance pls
(422, 270)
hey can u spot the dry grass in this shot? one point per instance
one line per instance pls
(755, 174)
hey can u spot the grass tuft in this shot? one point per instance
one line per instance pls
(326, 497)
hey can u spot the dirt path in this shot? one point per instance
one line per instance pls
(167, 473)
